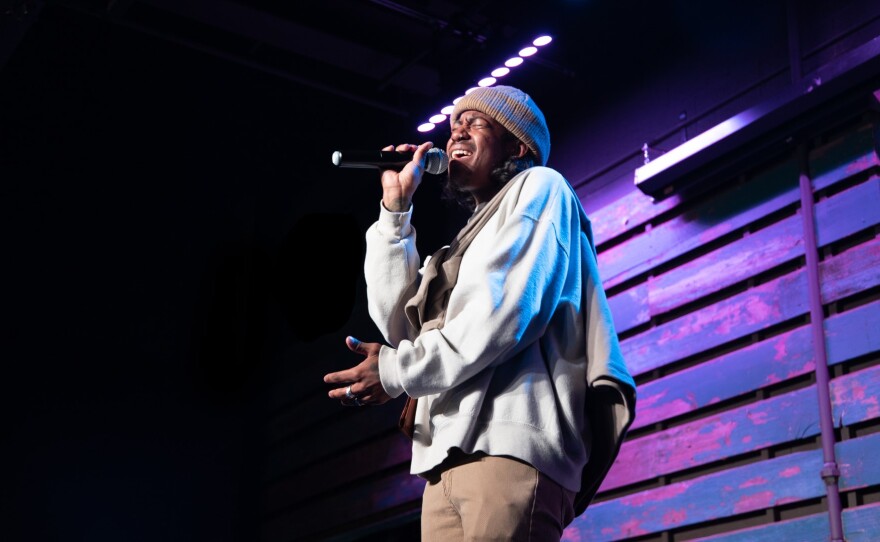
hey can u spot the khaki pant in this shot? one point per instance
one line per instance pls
(482, 498)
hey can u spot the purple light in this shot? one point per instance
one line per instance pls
(528, 51)
(543, 40)
(513, 62)
(448, 109)
(468, 91)
(500, 72)
(437, 119)
(487, 81)
(426, 127)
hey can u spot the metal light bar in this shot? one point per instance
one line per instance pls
(768, 127)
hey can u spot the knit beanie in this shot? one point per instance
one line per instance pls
(513, 109)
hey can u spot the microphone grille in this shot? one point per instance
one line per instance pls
(436, 161)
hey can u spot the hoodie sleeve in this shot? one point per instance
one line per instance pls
(392, 272)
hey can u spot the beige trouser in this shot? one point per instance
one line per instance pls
(482, 497)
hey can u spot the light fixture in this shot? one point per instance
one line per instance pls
(488, 81)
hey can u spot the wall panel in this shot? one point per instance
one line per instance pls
(711, 299)
(710, 295)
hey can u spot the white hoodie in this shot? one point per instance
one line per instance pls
(507, 372)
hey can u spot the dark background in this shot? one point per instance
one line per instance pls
(176, 242)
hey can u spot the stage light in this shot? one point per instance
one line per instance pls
(543, 40)
(489, 80)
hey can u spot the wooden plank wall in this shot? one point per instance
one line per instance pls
(710, 298)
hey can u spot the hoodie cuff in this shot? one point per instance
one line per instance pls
(388, 373)
(395, 225)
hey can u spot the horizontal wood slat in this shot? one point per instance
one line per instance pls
(854, 397)
(627, 213)
(850, 154)
(862, 524)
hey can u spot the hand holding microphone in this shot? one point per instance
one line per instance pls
(400, 167)
(436, 161)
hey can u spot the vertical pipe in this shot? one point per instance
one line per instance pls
(830, 472)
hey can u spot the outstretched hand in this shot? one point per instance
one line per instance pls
(362, 383)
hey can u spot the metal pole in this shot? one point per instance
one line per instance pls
(830, 471)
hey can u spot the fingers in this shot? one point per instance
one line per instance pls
(410, 147)
(406, 147)
(355, 345)
(419, 151)
(343, 377)
(360, 385)
(358, 397)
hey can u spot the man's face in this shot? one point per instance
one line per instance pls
(476, 146)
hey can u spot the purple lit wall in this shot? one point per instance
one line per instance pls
(711, 299)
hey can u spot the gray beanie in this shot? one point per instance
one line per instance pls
(513, 109)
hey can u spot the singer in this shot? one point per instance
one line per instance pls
(502, 341)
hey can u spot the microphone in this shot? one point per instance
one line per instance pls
(436, 161)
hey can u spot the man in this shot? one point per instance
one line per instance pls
(503, 338)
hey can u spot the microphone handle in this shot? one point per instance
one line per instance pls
(436, 161)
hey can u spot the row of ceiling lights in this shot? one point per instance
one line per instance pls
(497, 73)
